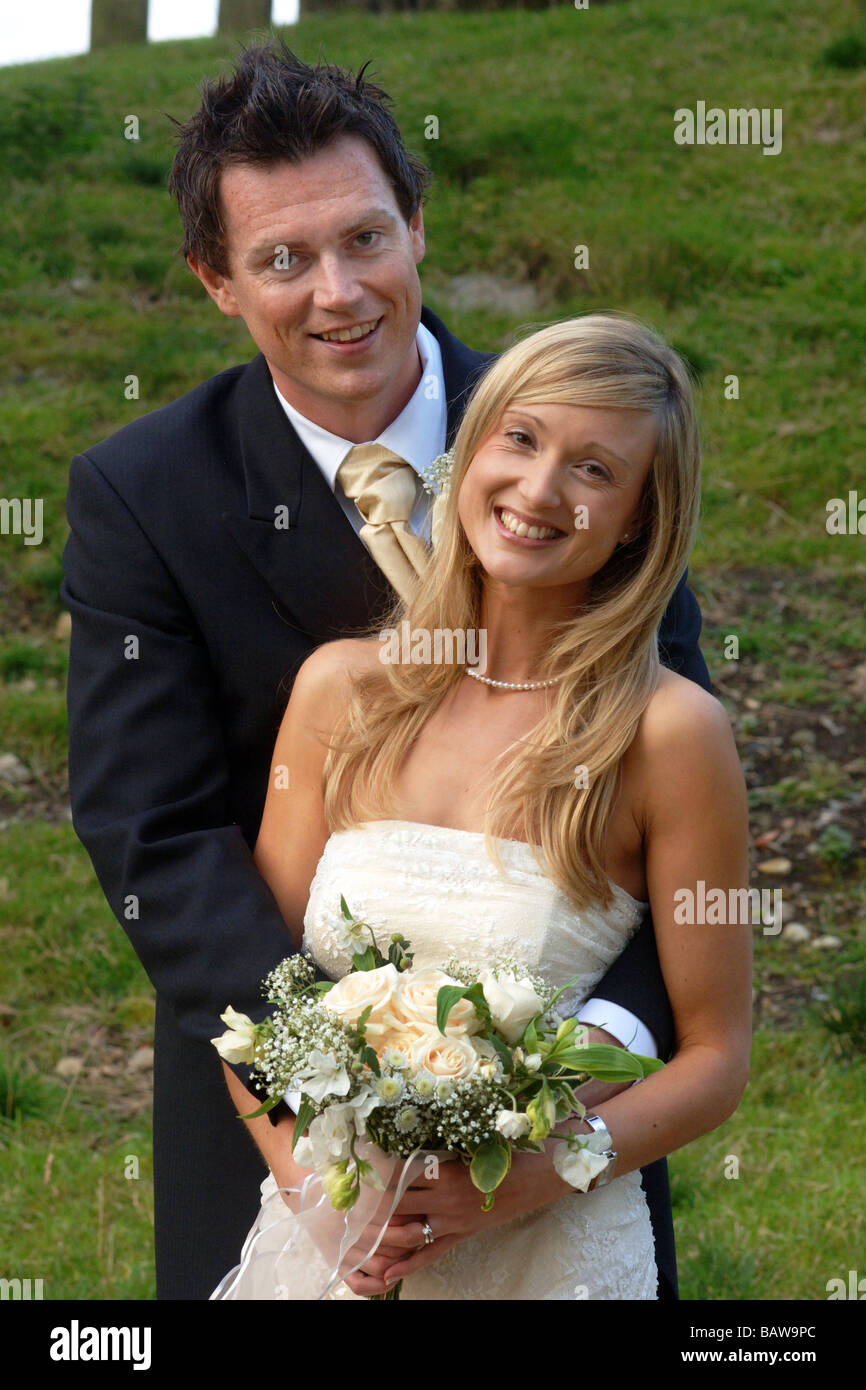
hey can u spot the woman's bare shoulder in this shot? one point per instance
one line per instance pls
(684, 733)
(348, 656)
(680, 706)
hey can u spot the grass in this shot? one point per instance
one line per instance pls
(753, 266)
(780, 1221)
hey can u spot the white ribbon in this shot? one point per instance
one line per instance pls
(304, 1250)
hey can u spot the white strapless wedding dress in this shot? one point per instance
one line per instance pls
(438, 887)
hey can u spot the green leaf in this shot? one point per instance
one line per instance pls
(490, 1164)
(305, 1114)
(263, 1108)
(569, 984)
(369, 1056)
(530, 1036)
(503, 1049)
(447, 997)
(649, 1064)
(566, 1090)
(605, 1063)
(344, 907)
(366, 960)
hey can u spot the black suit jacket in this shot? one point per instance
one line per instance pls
(191, 613)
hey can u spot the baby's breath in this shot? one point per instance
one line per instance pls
(289, 978)
(436, 476)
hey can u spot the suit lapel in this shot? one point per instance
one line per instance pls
(306, 561)
(316, 564)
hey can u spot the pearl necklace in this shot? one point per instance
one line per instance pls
(511, 685)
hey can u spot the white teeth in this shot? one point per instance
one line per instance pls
(520, 528)
(349, 335)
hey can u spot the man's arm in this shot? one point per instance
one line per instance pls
(148, 771)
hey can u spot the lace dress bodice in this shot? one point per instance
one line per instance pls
(439, 887)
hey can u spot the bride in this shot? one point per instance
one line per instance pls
(536, 806)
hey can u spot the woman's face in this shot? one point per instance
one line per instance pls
(552, 489)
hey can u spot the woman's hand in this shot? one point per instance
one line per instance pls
(451, 1205)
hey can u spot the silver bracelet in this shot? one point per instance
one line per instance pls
(596, 1123)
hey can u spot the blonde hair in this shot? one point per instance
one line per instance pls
(606, 654)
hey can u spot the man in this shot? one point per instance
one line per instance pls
(213, 546)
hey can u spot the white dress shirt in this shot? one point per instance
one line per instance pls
(418, 435)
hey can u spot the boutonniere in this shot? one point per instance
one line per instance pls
(436, 479)
(437, 475)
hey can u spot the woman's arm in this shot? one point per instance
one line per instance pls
(274, 1141)
(693, 807)
(293, 832)
(691, 802)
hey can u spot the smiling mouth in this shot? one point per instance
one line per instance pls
(348, 335)
(518, 527)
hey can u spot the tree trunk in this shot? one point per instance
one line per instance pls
(237, 16)
(117, 21)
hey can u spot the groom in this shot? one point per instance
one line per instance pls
(213, 546)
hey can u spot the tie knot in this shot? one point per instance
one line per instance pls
(383, 485)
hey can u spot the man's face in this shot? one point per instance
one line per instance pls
(319, 248)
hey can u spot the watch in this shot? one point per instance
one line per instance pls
(596, 1123)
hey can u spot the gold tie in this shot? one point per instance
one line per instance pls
(384, 487)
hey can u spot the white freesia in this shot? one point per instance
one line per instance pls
(362, 1104)
(323, 1076)
(512, 1002)
(579, 1166)
(304, 1152)
(329, 1138)
(237, 1045)
(513, 1124)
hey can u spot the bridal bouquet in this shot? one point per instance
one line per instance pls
(475, 1064)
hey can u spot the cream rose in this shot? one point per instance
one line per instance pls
(512, 1003)
(448, 1057)
(415, 1003)
(351, 996)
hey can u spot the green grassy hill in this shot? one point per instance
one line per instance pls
(555, 129)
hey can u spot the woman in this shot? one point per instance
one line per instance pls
(535, 807)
